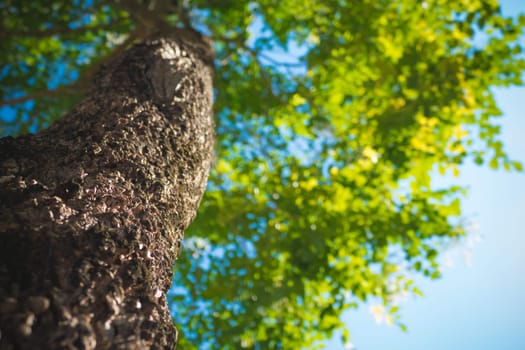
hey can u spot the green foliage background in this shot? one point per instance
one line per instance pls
(332, 118)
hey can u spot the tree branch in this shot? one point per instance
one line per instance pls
(258, 54)
(57, 31)
(84, 81)
(280, 63)
(65, 89)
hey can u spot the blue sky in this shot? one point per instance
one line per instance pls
(479, 304)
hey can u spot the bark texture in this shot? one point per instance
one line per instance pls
(92, 210)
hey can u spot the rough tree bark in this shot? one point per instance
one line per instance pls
(92, 210)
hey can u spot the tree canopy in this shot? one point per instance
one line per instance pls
(333, 117)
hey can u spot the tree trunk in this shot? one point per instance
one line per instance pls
(92, 210)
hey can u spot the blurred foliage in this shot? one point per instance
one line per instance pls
(332, 119)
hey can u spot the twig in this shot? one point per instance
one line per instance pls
(258, 55)
(279, 63)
